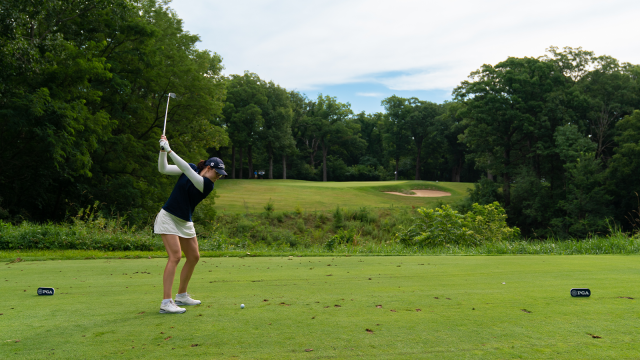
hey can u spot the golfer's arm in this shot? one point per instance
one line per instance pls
(164, 167)
(197, 180)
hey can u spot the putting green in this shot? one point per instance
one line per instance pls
(252, 195)
(430, 307)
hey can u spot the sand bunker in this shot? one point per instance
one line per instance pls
(423, 193)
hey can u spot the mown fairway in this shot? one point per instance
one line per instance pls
(109, 308)
(252, 195)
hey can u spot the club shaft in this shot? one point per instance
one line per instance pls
(165, 116)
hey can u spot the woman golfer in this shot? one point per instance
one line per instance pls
(174, 223)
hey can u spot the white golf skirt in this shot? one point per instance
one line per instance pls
(169, 224)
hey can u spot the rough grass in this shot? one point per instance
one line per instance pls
(276, 235)
(469, 307)
(618, 244)
(238, 196)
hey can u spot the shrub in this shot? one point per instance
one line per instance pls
(363, 214)
(489, 222)
(444, 226)
(341, 237)
(244, 226)
(79, 236)
(269, 207)
(321, 219)
(338, 219)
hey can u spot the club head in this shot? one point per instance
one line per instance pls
(172, 95)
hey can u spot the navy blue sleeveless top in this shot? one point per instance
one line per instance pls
(185, 196)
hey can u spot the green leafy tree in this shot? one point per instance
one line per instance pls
(82, 93)
(329, 121)
(608, 89)
(509, 116)
(624, 168)
(371, 132)
(278, 115)
(300, 105)
(396, 133)
(450, 127)
(421, 124)
(149, 54)
(586, 202)
(51, 118)
(243, 113)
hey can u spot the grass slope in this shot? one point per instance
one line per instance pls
(252, 195)
(109, 308)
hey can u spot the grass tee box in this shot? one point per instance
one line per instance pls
(252, 195)
(411, 307)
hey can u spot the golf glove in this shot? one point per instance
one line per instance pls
(164, 145)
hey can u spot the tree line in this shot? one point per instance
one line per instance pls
(288, 135)
(555, 139)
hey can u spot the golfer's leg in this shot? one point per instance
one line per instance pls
(172, 244)
(191, 252)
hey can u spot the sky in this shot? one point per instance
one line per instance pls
(362, 51)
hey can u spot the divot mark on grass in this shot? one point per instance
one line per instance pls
(308, 350)
(625, 297)
(418, 310)
(392, 310)
(379, 306)
(595, 336)
(337, 306)
(435, 297)
(194, 345)
(369, 331)
(526, 311)
(167, 338)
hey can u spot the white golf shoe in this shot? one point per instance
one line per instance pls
(171, 308)
(185, 299)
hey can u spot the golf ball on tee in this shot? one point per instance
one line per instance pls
(241, 306)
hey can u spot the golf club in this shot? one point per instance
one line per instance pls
(164, 128)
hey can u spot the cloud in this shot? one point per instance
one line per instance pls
(374, 94)
(404, 44)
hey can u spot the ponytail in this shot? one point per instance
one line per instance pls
(201, 165)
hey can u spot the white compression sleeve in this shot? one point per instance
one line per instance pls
(165, 168)
(197, 180)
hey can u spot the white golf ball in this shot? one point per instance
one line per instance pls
(241, 306)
